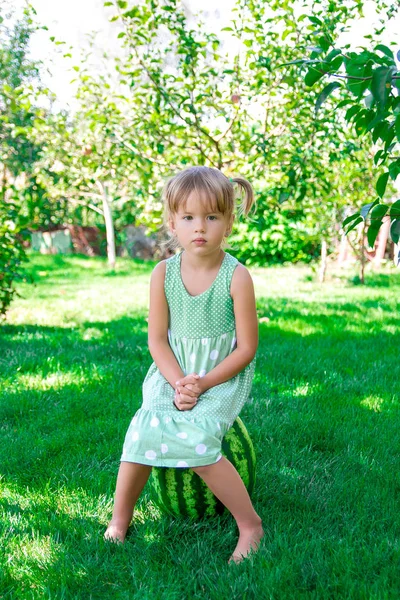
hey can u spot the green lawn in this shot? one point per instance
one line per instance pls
(324, 419)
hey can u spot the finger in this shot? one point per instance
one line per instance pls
(190, 399)
(191, 378)
(185, 390)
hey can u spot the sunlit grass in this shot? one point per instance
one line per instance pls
(323, 417)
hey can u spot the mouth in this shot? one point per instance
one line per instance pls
(199, 241)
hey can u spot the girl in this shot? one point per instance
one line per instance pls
(203, 337)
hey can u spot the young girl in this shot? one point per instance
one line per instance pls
(203, 337)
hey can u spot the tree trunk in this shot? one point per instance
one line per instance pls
(323, 265)
(108, 219)
(382, 241)
(363, 258)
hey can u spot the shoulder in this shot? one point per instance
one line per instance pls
(241, 278)
(241, 275)
(158, 273)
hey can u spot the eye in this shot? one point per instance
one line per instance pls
(187, 218)
(212, 217)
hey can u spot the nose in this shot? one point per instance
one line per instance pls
(200, 225)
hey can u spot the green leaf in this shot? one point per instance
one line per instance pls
(108, 4)
(353, 110)
(385, 50)
(394, 169)
(315, 20)
(354, 224)
(122, 4)
(332, 54)
(377, 215)
(369, 100)
(395, 210)
(388, 147)
(382, 183)
(298, 61)
(380, 131)
(325, 94)
(367, 207)
(378, 212)
(350, 218)
(378, 156)
(335, 65)
(397, 127)
(395, 231)
(379, 86)
(313, 75)
(372, 234)
(324, 42)
(358, 66)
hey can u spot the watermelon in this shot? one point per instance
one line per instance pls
(182, 493)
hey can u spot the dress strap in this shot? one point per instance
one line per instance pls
(172, 274)
(229, 265)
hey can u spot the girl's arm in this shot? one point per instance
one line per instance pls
(159, 347)
(244, 305)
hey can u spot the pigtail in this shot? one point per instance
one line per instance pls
(246, 195)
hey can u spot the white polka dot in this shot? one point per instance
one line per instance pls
(202, 372)
(182, 463)
(223, 336)
(193, 357)
(164, 448)
(184, 340)
(135, 436)
(201, 448)
(154, 422)
(167, 419)
(150, 454)
(182, 435)
(204, 341)
(214, 354)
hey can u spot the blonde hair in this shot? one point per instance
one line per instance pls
(214, 188)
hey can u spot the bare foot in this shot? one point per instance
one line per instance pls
(248, 543)
(115, 534)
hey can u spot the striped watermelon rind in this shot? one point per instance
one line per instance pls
(195, 500)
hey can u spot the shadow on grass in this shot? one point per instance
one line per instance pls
(68, 385)
(80, 266)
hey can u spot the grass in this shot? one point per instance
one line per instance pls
(324, 419)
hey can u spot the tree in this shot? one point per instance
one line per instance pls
(19, 83)
(371, 82)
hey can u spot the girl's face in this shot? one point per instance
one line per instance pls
(198, 227)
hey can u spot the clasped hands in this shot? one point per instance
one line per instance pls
(187, 391)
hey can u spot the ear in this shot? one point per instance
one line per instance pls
(229, 226)
(171, 225)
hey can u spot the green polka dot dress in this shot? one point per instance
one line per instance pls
(201, 334)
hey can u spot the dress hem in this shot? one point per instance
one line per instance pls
(164, 462)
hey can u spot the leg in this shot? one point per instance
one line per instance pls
(131, 480)
(225, 482)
